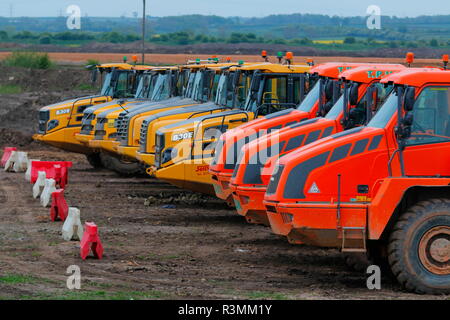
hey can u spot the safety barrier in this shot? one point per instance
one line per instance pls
(59, 208)
(39, 184)
(72, 228)
(6, 154)
(49, 188)
(91, 241)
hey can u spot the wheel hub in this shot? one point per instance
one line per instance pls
(434, 250)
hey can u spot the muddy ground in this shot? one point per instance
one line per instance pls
(203, 251)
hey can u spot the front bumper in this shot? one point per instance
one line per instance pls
(147, 158)
(249, 202)
(188, 174)
(107, 145)
(221, 184)
(127, 151)
(64, 139)
(84, 139)
(319, 224)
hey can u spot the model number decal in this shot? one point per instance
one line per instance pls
(182, 136)
(62, 111)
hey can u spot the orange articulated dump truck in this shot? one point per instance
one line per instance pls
(362, 96)
(325, 91)
(381, 189)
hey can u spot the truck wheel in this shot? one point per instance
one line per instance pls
(419, 247)
(94, 160)
(121, 166)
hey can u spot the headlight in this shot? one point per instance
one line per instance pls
(44, 116)
(52, 124)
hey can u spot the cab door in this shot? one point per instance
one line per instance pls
(427, 151)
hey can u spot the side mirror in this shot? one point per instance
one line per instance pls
(329, 90)
(327, 107)
(94, 74)
(255, 82)
(408, 119)
(353, 94)
(236, 78)
(409, 99)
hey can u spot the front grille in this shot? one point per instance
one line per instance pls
(122, 126)
(86, 129)
(86, 126)
(44, 116)
(286, 217)
(143, 136)
(99, 134)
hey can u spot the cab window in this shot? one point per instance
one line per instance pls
(274, 95)
(431, 112)
(124, 86)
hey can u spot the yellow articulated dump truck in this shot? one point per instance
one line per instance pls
(58, 123)
(202, 87)
(180, 152)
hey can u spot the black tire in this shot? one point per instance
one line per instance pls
(94, 160)
(418, 248)
(122, 167)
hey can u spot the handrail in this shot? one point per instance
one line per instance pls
(79, 99)
(205, 111)
(287, 104)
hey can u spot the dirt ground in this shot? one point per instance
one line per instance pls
(203, 251)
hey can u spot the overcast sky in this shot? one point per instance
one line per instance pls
(244, 8)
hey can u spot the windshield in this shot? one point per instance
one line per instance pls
(106, 88)
(311, 98)
(336, 110)
(145, 86)
(221, 95)
(245, 80)
(387, 110)
(195, 93)
(161, 90)
(189, 85)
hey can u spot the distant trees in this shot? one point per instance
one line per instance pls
(356, 39)
(350, 40)
(3, 35)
